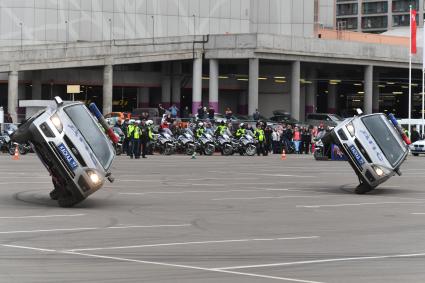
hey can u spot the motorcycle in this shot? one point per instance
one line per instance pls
(224, 143)
(165, 143)
(186, 142)
(5, 144)
(22, 148)
(119, 145)
(245, 145)
(206, 144)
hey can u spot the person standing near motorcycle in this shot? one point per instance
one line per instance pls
(199, 130)
(130, 129)
(260, 137)
(221, 129)
(241, 131)
(146, 136)
(135, 141)
(124, 127)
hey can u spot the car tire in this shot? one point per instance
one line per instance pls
(363, 188)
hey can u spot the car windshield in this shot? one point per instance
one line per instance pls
(384, 137)
(91, 133)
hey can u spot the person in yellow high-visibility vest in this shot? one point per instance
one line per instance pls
(130, 129)
(260, 137)
(135, 140)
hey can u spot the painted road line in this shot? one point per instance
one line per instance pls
(193, 267)
(13, 183)
(29, 248)
(194, 243)
(324, 261)
(207, 192)
(41, 216)
(278, 197)
(361, 204)
(418, 213)
(93, 228)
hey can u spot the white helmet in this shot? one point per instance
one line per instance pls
(149, 122)
(132, 121)
(241, 125)
(138, 121)
(201, 124)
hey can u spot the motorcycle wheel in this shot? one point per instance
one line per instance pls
(118, 150)
(22, 149)
(251, 150)
(209, 149)
(190, 149)
(227, 149)
(168, 149)
(12, 149)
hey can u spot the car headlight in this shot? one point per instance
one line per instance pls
(57, 122)
(94, 177)
(378, 171)
(350, 129)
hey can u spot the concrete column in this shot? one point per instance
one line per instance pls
(311, 92)
(214, 82)
(243, 103)
(143, 97)
(368, 89)
(295, 89)
(332, 95)
(197, 84)
(108, 74)
(376, 90)
(165, 85)
(36, 85)
(254, 69)
(12, 96)
(176, 95)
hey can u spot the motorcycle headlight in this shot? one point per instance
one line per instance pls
(378, 170)
(350, 129)
(56, 121)
(94, 177)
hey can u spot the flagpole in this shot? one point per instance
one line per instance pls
(410, 72)
(423, 79)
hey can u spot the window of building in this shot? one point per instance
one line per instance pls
(374, 22)
(402, 20)
(375, 8)
(350, 23)
(404, 5)
(346, 9)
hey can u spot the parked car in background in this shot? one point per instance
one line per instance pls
(325, 119)
(75, 151)
(417, 147)
(120, 116)
(282, 116)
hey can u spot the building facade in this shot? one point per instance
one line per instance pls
(376, 16)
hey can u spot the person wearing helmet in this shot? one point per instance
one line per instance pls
(129, 131)
(221, 129)
(135, 141)
(241, 131)
(199, 130)
(146, 136)
(260, 137)
(124, 128)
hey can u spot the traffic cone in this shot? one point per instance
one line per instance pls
(283, 156)
(16, 155)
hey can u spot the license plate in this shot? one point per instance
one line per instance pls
(65, 153)
(357, 155)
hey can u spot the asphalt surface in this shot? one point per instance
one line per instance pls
(214, 219)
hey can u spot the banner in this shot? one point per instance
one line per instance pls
(413, 31)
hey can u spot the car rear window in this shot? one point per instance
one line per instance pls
(92, 134)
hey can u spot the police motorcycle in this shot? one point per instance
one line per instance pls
(165, 142)
(246, 144)
(205, 144)
(322, 150)
(186, 142)
(119, 145)
(224, 143)
(7, 146)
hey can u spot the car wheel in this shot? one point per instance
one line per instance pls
(363, 188)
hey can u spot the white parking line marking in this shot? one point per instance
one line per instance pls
(209, 192)
(93, 228)
(29, 248)
(12, 183)
(193, 267)
(278, 197)
(323, 261)
(40, 216)
(195, 243)
(418, 213)
(360, 204)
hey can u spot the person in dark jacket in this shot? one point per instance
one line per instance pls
(306, 140)
(268, 132)
(415, 136)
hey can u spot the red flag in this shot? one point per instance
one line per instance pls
(413, 31)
